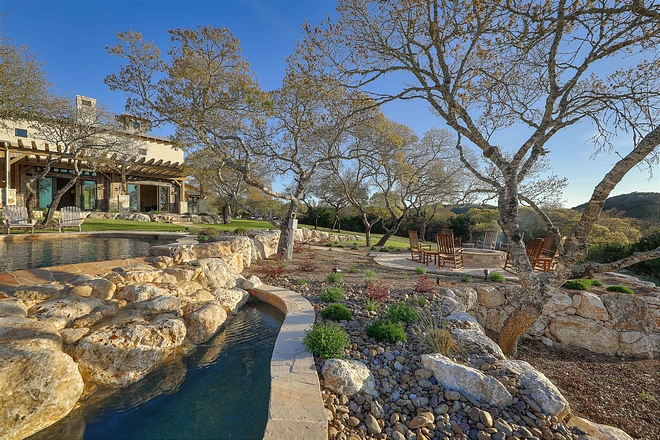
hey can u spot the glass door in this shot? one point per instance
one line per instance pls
(45, 192)
(88, 195)
(164, 199)
(133, 193)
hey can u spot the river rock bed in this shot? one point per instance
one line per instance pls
(409, 402)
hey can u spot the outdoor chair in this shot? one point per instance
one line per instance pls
(547, 263)
(17, 217)
(490, 238)
(532, 250)
(416, 248)
(547, 244)
(502, 246)
(70, 217)
(448, 253)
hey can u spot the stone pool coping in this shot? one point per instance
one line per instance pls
(296, 408)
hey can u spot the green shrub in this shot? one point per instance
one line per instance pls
(404, 276)
(332, 294)
(240, 231)
(371, 304)
(302, 281)
(581, 283)
(341, 246)
(467, 279)
(420, 270)
(355, 247)
(373, 248)
(382, 330)
(330, 244)
(384, 249)
(402, 312)
(202, 238)
(435, 336)
(326, 341)
(421, 301)
(369, 274)
(336, 312)
(496, 277)
(622, 289)
(335, 277)
(352, 269)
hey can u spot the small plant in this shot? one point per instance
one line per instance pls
(274, 271)
(335, 277)
(647, 396)
(467, 279)
(425, 285)
(581, 283)
(377, 291)
(402, 312)
(331, 244)
(383, 249)
(302, 281)
(382, 330)
(332, 294)
(369, 274)
(421, 301)
(373, 248)
(621, 289)
(352, 269)
(337, 312)
(240, 231)
(420, 270)
(355, 247)
(435, 336)
(202, 238)
(209, 232)
(371, 304)
(326, 341)
(308, 265)
(341, 246)
(404, 276)
(496, 277)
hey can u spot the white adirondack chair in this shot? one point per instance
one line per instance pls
(70, 217)
(17, 217)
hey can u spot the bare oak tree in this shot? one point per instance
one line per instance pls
(493, 67)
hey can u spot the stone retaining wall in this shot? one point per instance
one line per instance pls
(610, 323)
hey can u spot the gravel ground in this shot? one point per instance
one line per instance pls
(624, 393)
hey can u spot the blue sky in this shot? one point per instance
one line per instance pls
(70, 38)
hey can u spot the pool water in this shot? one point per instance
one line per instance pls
(31, 254)
(219, 392)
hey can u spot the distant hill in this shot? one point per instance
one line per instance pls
(639, 205)
(465, 208)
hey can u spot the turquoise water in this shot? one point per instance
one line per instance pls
(220, 392)
(46, 252)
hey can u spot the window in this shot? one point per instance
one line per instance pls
(86, 102)
(136, 125)
(21, 132)
(143, 151)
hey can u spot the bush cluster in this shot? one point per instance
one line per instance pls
(581, 284)
(326, 341)
(337, 312)
(332, 294)
(496, 277)
(335, 277)
(425, 285)
(383, 330)
(621, 289)
(377, 291)
(402, 312)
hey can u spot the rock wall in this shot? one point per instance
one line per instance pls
(111, 330)
(610, 323)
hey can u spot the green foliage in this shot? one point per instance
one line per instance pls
(335, 277)
(371, 304)
(581, 284)
(421, 301)
(302, 281)
(326, 341)
(402, 312)
(420, 270)
(467, 279)
(496, 277)
(373, 248)
(240, 231)
(336, 312)
(435, 336)
(331, 244)
(369, 274)
(332, 294)
(404, 276)
(340, 245)
(384, 249)
(382, 330)
(598, 283)
(622, 289)
(352, 269)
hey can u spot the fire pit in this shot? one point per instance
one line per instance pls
(481, 258)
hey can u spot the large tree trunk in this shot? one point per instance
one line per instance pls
(517, 325)
(226, 214)
(284, 229)
(57, 196)
(422, 231)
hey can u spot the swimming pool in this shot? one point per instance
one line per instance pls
(55, 251)
(221, 391)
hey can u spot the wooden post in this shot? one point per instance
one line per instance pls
(293, 224)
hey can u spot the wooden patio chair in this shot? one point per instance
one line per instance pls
(490, 238)
(547, 244)
(416, 248)
(532, 250)
(70, 217)
(17, 217)
(458, 241)
(502, 246)
(448, 252)
(547, 262)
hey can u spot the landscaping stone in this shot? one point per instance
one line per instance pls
(585, 333)
(348, 377)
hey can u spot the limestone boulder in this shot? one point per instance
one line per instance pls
(13, 307)
(61, 312)
(183, 273)
(468, 381)
(41, 292)
(236, 251)
(40, 383)
(71, 336)
(148, 275)
(597, 431)
(204, 320)
(101, 287)
(478, 338)
(513, 294)
(495, 318)
(140, 292)
(217, 274)
(639, 345)
(585, 333)
(467, 295)
(538, 387)
(538, 328)
(252, 283)
(557, 302)
(348, 377)
(628, 312)
(118, 355)
(264, 242)
(465, 319)
(160, 304)
(490, 296)
(590, 306)
(231, 299)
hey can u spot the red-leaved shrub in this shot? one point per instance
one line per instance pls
(274, 271)
(377, 291)
(308, 265)
(425, 285)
